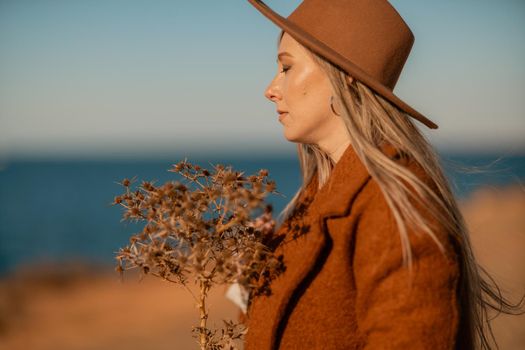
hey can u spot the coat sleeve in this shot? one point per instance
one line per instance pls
(390, 315)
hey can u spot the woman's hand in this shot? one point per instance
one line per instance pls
(264, 223)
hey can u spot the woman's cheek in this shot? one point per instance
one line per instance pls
(303, 82)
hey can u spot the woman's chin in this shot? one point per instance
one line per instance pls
(296, 136)
(291, 137)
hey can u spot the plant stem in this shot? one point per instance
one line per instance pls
(204, 286)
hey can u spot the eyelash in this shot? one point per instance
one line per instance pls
(285, 69)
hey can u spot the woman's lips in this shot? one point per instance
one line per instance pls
(282, 115)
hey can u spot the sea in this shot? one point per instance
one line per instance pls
(60, 210)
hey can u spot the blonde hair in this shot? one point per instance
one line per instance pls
(370, 121)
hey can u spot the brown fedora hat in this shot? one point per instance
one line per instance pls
(368, 39)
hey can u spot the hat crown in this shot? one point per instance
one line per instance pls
(370, 33)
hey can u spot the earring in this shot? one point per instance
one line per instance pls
(332, 104)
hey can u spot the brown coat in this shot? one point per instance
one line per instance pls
(345, 286)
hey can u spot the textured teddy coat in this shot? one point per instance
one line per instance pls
(345, 286)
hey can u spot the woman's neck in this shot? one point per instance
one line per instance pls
(336, 154)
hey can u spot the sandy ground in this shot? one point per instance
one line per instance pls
(496, 220)
(97, 311)
(83, 308)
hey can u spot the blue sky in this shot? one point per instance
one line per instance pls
(108, 77)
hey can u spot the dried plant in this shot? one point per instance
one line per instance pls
(202, 229)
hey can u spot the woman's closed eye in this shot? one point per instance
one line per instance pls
(285, 68)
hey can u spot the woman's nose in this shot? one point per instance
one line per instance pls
(272, 92)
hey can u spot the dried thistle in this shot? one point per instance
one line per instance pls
(201, 228)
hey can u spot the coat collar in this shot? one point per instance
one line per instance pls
(333, 199)
(347, 178)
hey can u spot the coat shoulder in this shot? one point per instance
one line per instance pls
(372, 202)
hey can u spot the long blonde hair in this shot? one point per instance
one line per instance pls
(370, 121)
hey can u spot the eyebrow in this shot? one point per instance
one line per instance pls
(283, 54)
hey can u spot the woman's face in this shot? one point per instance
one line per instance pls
(302, 91)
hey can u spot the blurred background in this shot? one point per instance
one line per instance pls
(92, 92)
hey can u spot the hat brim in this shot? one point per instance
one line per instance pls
(348, 66)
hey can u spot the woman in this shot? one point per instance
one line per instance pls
(376, 251)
